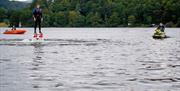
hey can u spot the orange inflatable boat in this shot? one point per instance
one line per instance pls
(14, 32)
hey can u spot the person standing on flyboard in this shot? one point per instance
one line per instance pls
(37, 15)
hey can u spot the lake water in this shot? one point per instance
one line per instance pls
(90, 59)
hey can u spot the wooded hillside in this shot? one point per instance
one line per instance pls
(98, 13)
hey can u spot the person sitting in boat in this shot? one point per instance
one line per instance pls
(13, 28)
(161, 27)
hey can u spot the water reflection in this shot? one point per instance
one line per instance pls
(38, 51)
(37, 62)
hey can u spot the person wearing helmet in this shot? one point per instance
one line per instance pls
(161, 27)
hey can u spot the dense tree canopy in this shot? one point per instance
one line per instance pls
(98, 13)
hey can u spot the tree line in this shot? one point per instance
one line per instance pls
(97, 13)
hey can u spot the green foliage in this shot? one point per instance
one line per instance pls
(25, 18)
(97, 13)
(94, 20)
(2, 14)
(14, 18)
(131, 20)
(178, 23)
(114, 20)
(60, 19)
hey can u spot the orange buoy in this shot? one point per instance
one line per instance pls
(14, 32)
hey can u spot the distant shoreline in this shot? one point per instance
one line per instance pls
(90, 27)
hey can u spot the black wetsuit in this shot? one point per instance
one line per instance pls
(162, 28)
(37, 13)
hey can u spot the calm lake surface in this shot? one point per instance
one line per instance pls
(90, 59)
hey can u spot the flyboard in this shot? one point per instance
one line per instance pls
(34, 40)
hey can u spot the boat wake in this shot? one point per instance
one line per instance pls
(51, 42)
